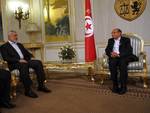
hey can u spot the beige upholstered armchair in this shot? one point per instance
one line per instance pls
(14, 76)
(16, 80)
(138, 68)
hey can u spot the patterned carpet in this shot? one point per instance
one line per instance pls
(135, 88)
(77, 94)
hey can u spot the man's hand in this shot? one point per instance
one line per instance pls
(23, 61)
(114, 54)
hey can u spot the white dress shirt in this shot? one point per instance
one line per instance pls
(116, 45)
(15, 46)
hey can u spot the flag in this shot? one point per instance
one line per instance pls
(90, 51)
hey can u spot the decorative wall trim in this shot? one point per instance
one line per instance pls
(81, 44)
(146, 43)
(4, 9)
(51, 49)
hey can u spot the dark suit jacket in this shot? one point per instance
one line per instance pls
(10, 55)
(125, 49)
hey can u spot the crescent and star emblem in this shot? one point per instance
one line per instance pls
(89, 28)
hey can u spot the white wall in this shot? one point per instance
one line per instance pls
(105, 19)
(10, 23)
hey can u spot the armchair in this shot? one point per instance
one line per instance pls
(14, 76)
(138, 68)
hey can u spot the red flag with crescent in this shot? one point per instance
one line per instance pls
(90, 51)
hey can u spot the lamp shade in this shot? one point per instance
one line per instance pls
(32, 27)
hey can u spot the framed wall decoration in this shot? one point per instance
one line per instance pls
(56, 19)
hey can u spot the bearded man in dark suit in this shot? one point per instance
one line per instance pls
(119, 51)
(20, 58)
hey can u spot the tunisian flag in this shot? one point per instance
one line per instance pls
(90, 52)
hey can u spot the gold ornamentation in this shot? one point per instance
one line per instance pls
(71, 67)
(130, 9)
(20, 15)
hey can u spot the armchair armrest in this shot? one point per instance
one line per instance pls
(105, 58)
(104, 61)
(143, 58)
(3, 64)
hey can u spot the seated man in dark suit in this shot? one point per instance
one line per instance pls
(19, 58)
(119, 51)
(5, 79)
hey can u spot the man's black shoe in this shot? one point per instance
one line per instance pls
(44, 89)
(31, 94)
(123, 91)
(115, 90)
(8, 105)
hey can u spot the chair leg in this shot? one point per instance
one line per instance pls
(102, 81)
(13, 92)
(91, 73)
(13, 86)
(103, 76)
(145, 82)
